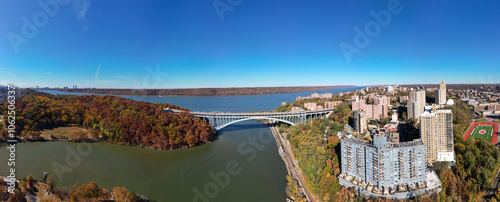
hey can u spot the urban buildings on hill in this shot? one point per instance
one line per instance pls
(487, 109)
(440, 94)
(316, 95)
(379, 108)
(312, 106)
(297, 109)
(332, 104)
(381, 168)
(484, 99)
(416, 103)
(391, 129)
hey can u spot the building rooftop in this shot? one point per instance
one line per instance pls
(444, 111)
(430, 113)
(415, 142)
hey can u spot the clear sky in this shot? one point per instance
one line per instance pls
(187, 43)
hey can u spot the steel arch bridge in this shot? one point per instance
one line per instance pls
(220, 120)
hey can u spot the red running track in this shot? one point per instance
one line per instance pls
(494, 137)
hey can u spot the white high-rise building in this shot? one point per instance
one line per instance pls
(389, 89)
(416, 103)
(440, 94)
(360, 121)
(436, 131)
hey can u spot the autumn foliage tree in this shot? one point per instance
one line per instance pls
(121, 194)
(86, 192)
(317, 157)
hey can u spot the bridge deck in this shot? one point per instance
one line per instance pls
(261, 113)
(222, 119)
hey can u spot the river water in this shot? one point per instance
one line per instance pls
(242, 164)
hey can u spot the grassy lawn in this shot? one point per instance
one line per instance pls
(486, 136)
(481, 120)
(61, 132)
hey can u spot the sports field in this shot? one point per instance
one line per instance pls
(483, 132)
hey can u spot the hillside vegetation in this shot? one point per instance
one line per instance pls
(110, 119)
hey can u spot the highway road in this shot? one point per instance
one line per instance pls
(491, 191)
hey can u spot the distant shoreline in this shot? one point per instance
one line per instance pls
(204, 92)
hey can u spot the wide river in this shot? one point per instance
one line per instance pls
(242, 164)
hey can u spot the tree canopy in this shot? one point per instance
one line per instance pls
(112, 119)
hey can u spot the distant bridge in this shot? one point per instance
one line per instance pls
(220, 120)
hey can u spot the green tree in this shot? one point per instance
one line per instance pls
(403, 116)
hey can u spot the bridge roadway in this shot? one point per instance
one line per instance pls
(220, 120)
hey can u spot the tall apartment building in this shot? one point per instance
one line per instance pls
(385, 165)
(310, 105)
(389, 89)
(379, 109)
(403, 98)
(416, 103)
(440, 94)
(326, 95)
(357, 103)
(436, 131)
(297, 109)
(332, 104)
(382, 100)
(360, 121)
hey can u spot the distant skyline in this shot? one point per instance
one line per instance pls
(191, 44)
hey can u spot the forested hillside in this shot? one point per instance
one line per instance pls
(318, 158)
(209, 91)
(111, 119)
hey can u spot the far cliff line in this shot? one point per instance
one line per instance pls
(202, 91)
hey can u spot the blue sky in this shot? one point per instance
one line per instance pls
(186, 43)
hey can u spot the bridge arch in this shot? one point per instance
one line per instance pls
(253, 118)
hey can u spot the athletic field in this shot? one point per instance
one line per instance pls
(483, 132)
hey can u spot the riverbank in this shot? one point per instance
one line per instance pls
(30, 189)
(291, 164)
